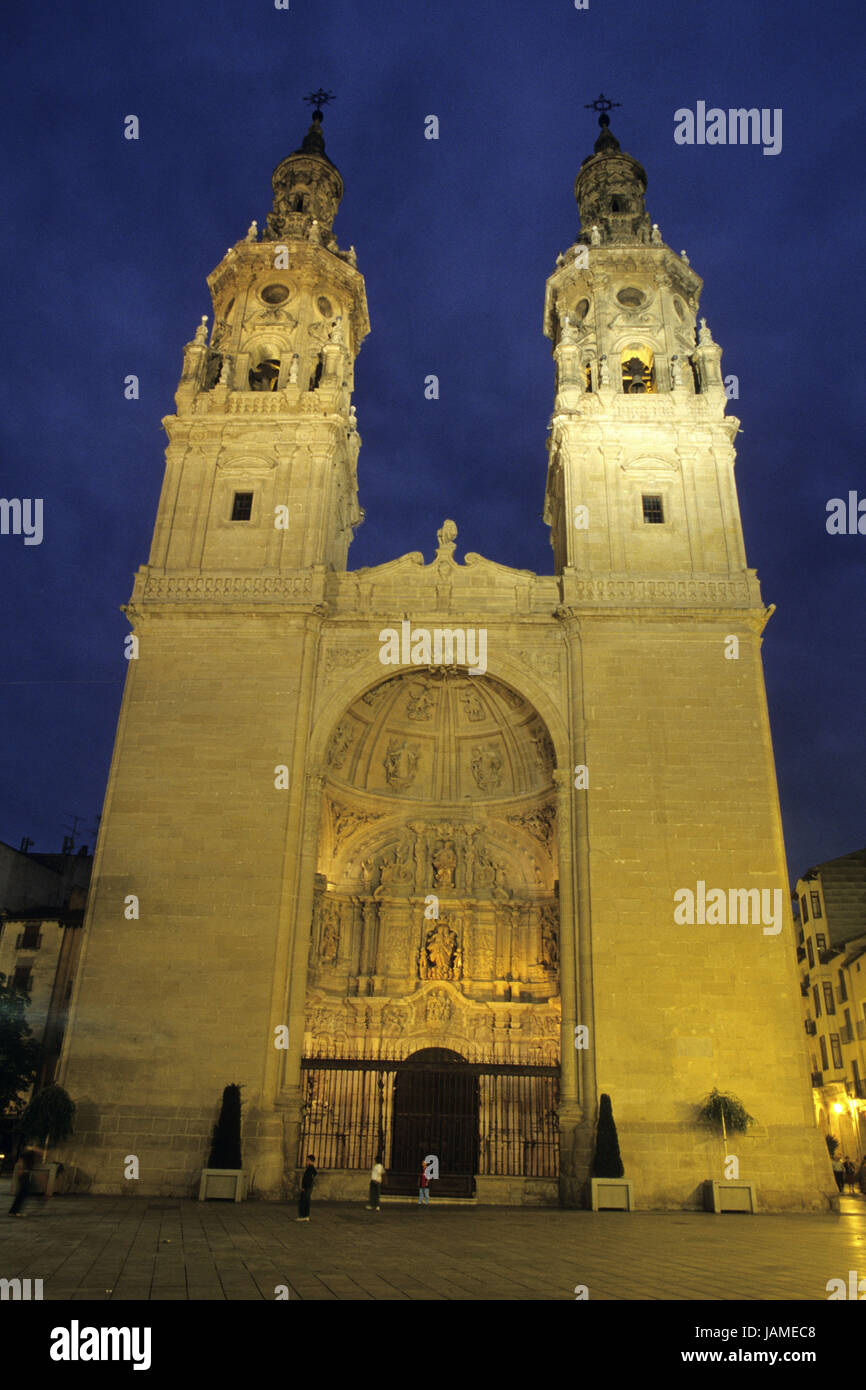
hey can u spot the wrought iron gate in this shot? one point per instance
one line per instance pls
(477, 1117)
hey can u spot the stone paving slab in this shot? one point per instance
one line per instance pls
(126, 1248)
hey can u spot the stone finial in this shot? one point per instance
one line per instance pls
(684, 257)
(446, 536)
(351, 257)
(705, 336)
(201, 331)
(253, 231)
(595, 235)
(655, 235)
(315, 232)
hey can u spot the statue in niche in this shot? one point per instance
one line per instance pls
(549, 940)
(366, 874)
(485, 869)
(440, 956)
(293, 369)
(336, 333)
(330, 939)
(404, 869)
(486, 767)
(400, 763)
(444, 865)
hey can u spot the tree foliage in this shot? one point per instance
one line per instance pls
(50, 1116)
(20, 1053)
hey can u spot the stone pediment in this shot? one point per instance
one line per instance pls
(409, 581)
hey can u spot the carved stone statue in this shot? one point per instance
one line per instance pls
(338, 748)
(330, 939)
(294, 368)
(595, 235)
(201, 331)
(253, 231)
(549, 940)
(440, 956)
(486, 767)
(444, 864)
(446, 536)
(400, 763)
(421, 702)
(336, 333)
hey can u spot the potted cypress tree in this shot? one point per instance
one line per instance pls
(49, 1118)
(224, 1177)
(611, 1189)
(727, 1115)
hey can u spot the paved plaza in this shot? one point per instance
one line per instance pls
(116, 1248)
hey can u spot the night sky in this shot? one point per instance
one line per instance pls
(107, 243)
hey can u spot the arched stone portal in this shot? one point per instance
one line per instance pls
(436, 921)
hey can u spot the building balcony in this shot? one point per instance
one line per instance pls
(846, 1034)
(27, 941)
(801, 953)
(817, 1078)
(804, 987)
(861, 1029)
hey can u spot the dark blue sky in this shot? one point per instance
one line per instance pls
(107, 243)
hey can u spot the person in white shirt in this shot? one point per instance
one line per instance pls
(377, 1173)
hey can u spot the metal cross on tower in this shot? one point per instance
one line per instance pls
(602, 105)
(318, 100)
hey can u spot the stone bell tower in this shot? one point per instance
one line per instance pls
(192, 922)
(662, 622)
(641, 455)
(261, 466)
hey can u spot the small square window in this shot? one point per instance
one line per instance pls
(653, 510)
(243, 506)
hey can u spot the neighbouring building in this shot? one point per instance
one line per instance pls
(831, 951)
(407, 851)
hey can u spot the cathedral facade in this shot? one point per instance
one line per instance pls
(403, 850)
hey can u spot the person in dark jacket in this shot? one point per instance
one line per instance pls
(27, 1161)
(307, 1189)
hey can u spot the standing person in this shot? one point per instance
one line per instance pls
(377, 1173)
(861, 1177)
(307, 1181)
(27, 1161)
(423, 1187)
(839, 1173)
(850, 1172)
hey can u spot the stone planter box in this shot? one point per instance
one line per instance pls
(730, 1196)
(612, 1194)
(222, 1184)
